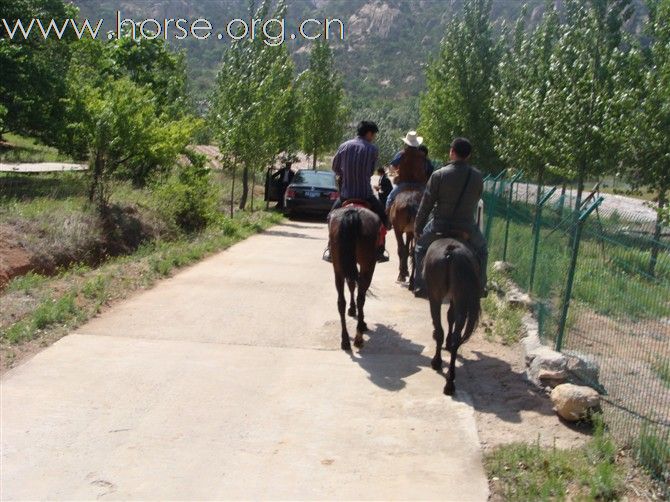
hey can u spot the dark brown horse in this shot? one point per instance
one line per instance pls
(353, 235)
(452, 272)
(403, 214)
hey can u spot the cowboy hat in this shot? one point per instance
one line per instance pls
(412, 139)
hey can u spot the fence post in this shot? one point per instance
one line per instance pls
(507, 211)
(571, 272)
(537, 225)
(492, 206)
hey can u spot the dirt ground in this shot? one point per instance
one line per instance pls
(507, 407)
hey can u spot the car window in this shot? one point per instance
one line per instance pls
(318, 178)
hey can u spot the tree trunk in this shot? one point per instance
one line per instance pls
(98, 168)
(253, 189)
(232, 193)
(656, 243)
(563, 190)
(245, 187)
(538, 194)
(314, 160)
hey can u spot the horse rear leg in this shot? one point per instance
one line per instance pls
(455, 339)
(412, 259)
(364, 281)
(450, 320)
(402, 258)
(438, 333)
(341, 307)
(352, 303)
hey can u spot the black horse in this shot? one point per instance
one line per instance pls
(452, 271)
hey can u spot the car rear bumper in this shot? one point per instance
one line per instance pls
(308, 205)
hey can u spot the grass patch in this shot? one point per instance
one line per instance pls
(505, 322)
(611, 276)
(18, 149)
(51, 311)
(653, 453)
(87, 290)
(522, 472)
(662, 369)
(25, 283)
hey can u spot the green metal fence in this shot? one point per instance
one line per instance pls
(600, 277)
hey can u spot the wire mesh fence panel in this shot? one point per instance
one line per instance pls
(618, 315)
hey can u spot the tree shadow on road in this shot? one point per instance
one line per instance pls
(294, 235)
(379, 358)
(304, 226)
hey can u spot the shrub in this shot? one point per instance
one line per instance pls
(188, 198)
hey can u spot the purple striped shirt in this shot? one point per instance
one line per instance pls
(354, 163)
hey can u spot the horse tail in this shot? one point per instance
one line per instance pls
(412, 210)
(465, 281)
(350, 231)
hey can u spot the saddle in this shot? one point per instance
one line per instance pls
(366, 205)
(356, 203)
(459, 235)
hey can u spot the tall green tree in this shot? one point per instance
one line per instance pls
(521, 135)
(33, 70)
(644, 106)
(118, 122)
(149, 64)
(459, 80)
(582, 75)
(254, 106)
(322, 95)
(153, 64)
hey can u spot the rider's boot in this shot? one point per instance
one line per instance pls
(326, 255)
(382, 255)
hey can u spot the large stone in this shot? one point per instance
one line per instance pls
(502, 266)
(518, 299)
(546, 367)
(574, 402)
(583, 369)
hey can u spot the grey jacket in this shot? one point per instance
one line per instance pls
(441, 195)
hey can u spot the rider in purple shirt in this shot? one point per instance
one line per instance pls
(354, 164)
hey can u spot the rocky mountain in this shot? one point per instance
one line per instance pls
(386, 45)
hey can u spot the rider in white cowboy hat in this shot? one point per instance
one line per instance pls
(410, 164)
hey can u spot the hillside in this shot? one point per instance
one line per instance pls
(386, 46)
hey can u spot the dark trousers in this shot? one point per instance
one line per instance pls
(432, 232)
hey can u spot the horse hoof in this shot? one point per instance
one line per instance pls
(358, 341)
(346, 346)
(449, 389)
(401, 278)
(362, 328)
(352, 313)
(436, 364)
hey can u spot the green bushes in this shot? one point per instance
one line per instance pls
(188, 199)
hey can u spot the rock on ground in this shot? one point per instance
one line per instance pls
(574, 402)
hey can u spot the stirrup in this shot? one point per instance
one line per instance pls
(383, 257)
(326, 256)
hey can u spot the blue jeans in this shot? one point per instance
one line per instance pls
(400, 187)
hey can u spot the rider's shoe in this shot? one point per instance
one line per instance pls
(382, 256)
(326, 256)
(484, 293)
(420, 293)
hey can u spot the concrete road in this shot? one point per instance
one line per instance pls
(227, 382)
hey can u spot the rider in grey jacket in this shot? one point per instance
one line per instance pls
(450, 203)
